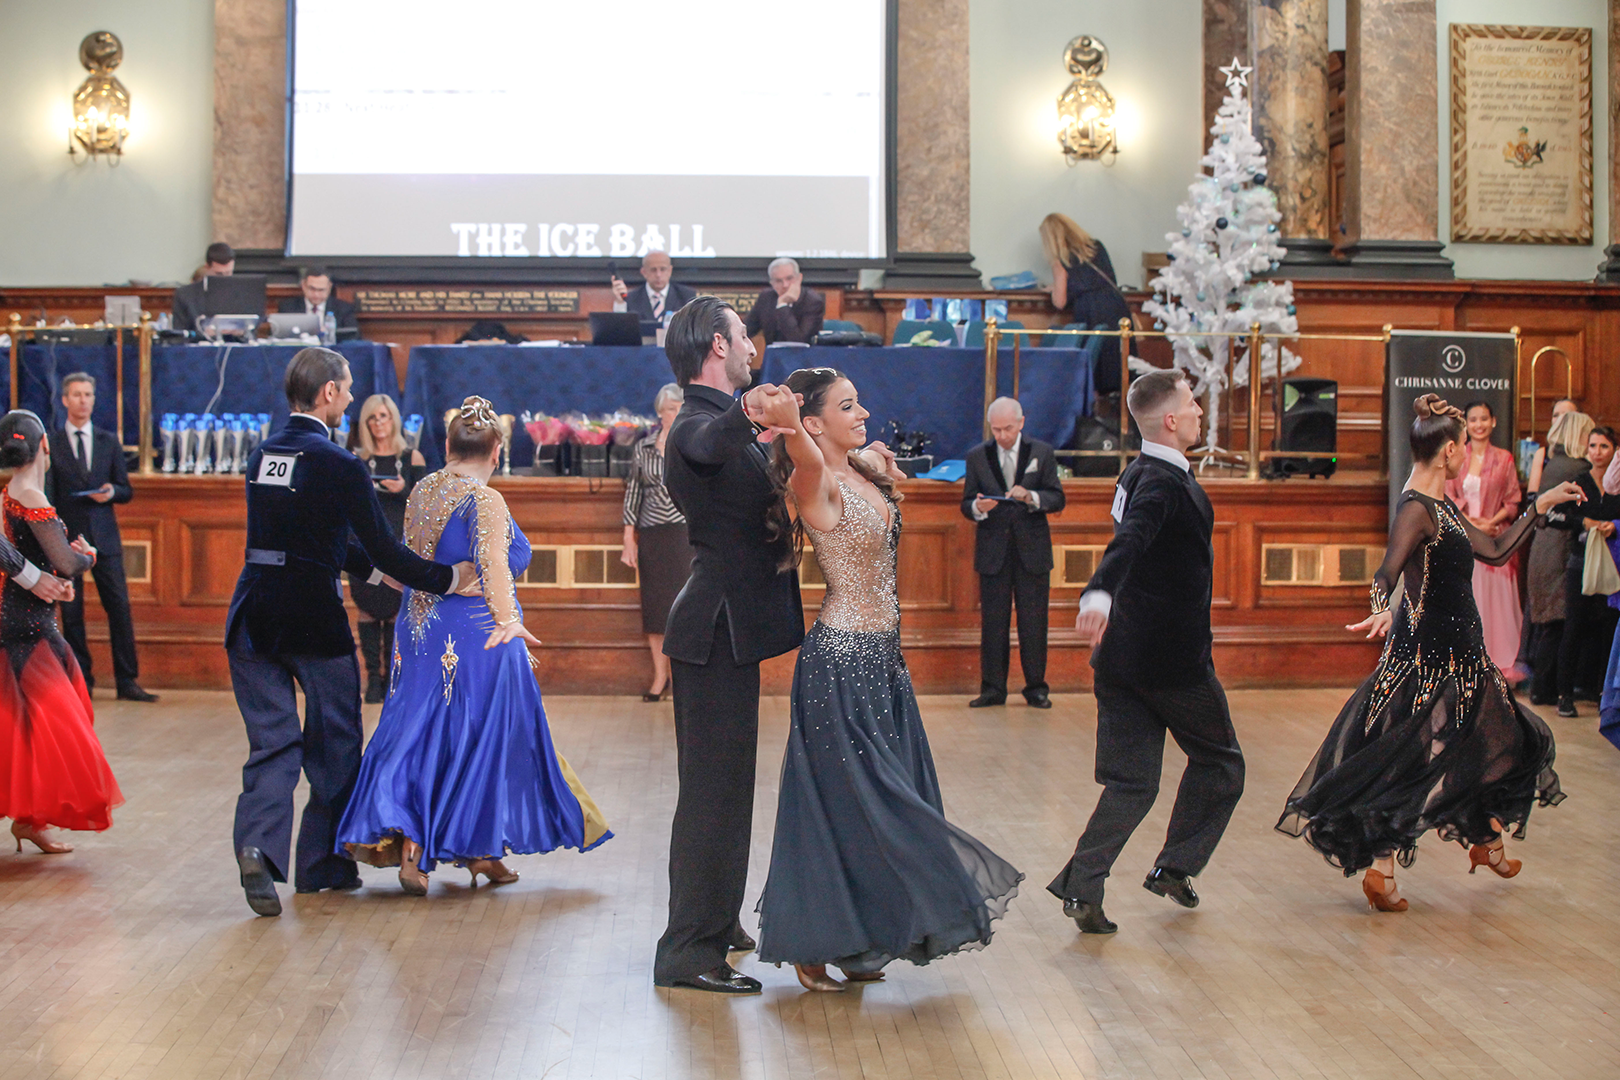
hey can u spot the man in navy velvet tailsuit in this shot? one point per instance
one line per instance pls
(312, 513)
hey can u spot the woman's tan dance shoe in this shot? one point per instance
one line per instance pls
(814, 977)
(1380, 890)
(411, 878)
(37, 837)
(493, 869)
(862, 976)
(1491, 856)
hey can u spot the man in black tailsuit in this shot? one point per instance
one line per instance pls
(1010, 486)
(312, 513)
(88, 478)
(1145, 613)
(739, 607)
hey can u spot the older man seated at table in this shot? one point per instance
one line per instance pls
(789, 310)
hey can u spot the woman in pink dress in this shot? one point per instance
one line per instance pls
(1487, 491)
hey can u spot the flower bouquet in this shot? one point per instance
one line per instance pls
(590, 437)
(548, 433)
(628, 430)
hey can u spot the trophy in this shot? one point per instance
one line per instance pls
(204, 461)
(188, 443)
(413, 431)
(238, 461)
(264, 426)
(340, 434)
(166, 429)
(506, 421)
(222, 460)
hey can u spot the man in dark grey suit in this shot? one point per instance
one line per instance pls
(88, 478)
(659, 296)
(739, 607)
(1011, 485)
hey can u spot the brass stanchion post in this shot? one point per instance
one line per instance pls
(1124, 386)
(992, 341)
(1254, 401)
(145, 441)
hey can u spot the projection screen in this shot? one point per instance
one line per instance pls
(536, 128)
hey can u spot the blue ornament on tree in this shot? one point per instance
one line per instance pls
(1221, 223)
(1186, 232)
(1290, 309)
(1235, 188)
(1260, 178)
(1225, 139)
(1200, 297)
(1271, 228)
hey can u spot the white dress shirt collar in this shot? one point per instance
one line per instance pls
(658, 294)
(1167, 453)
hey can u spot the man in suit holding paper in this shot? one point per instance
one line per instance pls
(88, 478)
(1010, 487)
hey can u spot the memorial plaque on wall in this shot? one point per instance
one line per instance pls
(1521, 134)
(460, 301)
(1462, 368)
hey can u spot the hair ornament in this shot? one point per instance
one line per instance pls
(477, 414)
(1434, 405)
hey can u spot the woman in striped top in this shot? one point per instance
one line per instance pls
(655, 540)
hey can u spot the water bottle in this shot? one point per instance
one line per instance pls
(329, 329)
(413, 431)
(340, 434)
(166, 428)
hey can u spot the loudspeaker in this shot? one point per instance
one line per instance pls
(1307, 419)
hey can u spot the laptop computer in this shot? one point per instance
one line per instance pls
(294, 325)
(233, 294)
(615, 328)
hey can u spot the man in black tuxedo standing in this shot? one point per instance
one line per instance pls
(740, 606)
(312, 513)
(1011, 485)
(1145, 613)
(659, 296)
(88, 478)
(319, 300)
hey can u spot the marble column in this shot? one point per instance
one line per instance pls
(1392, 158)
(1609, 269)
(1290, 42)
(250, 86)
(1226, 36)
(933, 164)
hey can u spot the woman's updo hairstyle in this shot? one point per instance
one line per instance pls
(1437, 424)
(475, 430)
(20, 435)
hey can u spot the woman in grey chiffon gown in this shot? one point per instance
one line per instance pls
(864, 867)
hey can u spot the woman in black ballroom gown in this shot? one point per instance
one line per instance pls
(1433, 739)
(864, 867)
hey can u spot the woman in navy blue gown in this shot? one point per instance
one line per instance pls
(461, 767)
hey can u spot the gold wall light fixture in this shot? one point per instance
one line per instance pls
(1085, 110)
(101, 104)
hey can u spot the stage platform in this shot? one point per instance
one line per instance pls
(135, 957)
(1292, 559)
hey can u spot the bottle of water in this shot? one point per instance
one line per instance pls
(329, 329)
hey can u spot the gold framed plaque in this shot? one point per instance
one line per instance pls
(1521, 134)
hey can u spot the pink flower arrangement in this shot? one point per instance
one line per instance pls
(546, 430)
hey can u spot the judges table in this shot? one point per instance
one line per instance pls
(185, 378)
(937, 390)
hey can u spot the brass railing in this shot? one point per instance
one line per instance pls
(1251, 459)
(144, 334)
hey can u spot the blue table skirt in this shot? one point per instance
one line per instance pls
(590, 379)
(941, 390)
(185, 378)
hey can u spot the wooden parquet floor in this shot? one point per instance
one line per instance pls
(135, 956)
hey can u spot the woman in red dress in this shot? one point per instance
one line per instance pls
(52, 770)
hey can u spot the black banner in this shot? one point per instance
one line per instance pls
(1460, 367)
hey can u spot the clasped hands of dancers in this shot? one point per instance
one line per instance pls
(865, 869)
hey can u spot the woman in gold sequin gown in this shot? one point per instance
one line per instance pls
(864, 867)
(461, 767)
(1433, 739)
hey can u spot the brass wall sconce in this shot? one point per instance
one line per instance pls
(1086, 110)
(101, 104)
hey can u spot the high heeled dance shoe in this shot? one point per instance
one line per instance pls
(37, 837)
(493, 869)
(815, 977)
(411, 878)
(1493, 858)
(1381, 892)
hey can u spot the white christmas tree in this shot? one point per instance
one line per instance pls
(1228, 234)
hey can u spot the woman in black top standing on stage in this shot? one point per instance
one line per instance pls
(655, 541)
(395, 469)
(1083, 282)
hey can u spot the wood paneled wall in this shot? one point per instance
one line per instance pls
(593, 643)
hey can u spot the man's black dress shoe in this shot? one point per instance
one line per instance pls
(257, 883)
(720, 980)
(132, 692)
(1088, 917)
(1168, 883)
(1038, 700)
(987, 699)
(1566, 706)
(343, 886)
(742, 943)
